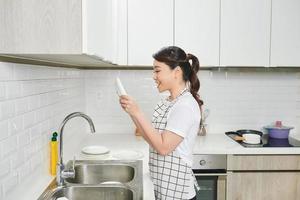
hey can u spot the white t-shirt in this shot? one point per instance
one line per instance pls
(184, 120)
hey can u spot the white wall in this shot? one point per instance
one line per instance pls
(33, 102)
(103, 102)
(236, 100)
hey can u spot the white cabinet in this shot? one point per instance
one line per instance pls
(285, 38)
(197, 29)
(93, 33)
(150, 27)
(74, 32)
(245, 32)
(40, 26)
(97, 30)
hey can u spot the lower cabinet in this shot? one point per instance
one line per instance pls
(261, 177)
(263, 185)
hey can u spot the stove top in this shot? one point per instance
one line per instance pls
(268, 142)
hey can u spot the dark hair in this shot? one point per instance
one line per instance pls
(174, 56)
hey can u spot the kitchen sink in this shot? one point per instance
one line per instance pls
(99, 172)
(82, 192)
(100, 179)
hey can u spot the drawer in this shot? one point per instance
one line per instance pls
(263, 162)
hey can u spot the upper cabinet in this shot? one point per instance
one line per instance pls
(71, 31)
(285, 35)
(245, 33)
(37, 27)
(197, 29)
(150, 27)
(96, 33)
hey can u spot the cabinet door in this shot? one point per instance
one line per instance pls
(263, 162)
(120, 32)
(245, 32)
(150, 27)
(285, 43)
(197, 29)
(262, 186)
(98, 28)
(40, 27)
(105, 30)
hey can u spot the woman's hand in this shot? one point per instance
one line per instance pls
(129, 105)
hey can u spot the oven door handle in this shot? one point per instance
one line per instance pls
(210, 174)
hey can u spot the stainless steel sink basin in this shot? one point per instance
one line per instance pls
(96, 173)
(100, 179)
(92, 193)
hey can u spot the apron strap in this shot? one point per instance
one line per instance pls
(197, 187)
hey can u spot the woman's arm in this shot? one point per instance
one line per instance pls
(142, 131)
(163, 143)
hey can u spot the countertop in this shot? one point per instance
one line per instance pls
(209, 144)
(222, 144)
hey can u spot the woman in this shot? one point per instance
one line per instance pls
(175, 123)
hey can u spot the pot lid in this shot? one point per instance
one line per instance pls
(278, 125)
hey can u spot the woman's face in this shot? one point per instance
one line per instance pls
(163, 76)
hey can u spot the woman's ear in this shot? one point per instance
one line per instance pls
(178, 72)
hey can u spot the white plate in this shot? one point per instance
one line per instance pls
(95, 150)
(128, 155)
(94, 157)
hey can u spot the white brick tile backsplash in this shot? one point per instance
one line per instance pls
(1, 154)
(35, 100)
(235, 99)
(29, 88)
(13, 89)
(30, 98)
(35, 132)
(2, 91)
(9, 182)
(39, 142)
(36, 160)
(29, 151)
(21, 105)
(24, 138)
(7, 109)
(29, 119)
(45, 126)
(6, 71)
(4, 130)
(24, 171)
(21, 73)
(17, 159)
(15, 125)
(43, 113)
(44, 99)
(9, 145)
(4, 167)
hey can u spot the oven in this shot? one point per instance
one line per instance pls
(210, 173)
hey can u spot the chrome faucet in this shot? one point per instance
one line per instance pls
(61, 172)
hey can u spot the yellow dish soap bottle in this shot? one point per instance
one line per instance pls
(53, 154)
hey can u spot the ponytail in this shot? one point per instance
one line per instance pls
(193, 78)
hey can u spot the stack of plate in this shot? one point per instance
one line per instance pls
(128, 155)
(95, 152)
